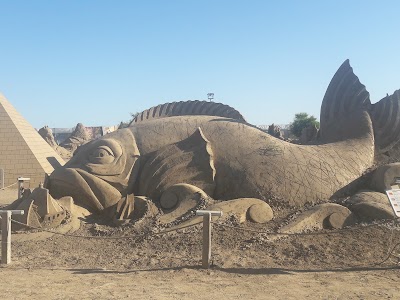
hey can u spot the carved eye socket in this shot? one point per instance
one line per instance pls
(102, 155)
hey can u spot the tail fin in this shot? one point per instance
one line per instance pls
(344, 107)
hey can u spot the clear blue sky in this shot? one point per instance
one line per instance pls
(64, 62)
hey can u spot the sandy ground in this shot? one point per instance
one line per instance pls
(246, 265)
(185, 283)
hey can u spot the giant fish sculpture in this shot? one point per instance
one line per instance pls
(211, 146)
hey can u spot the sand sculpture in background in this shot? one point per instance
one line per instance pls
(77, 138)
(46, 133)
(177, 157)
(309, 134)
(275, 131)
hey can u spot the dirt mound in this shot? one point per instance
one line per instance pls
(249, 261)
(233, 246)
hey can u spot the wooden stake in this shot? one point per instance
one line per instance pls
(207, 234)
(6, 234)
(6, 237)
(206, 241)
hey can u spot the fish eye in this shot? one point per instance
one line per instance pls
(101, 155)
(100, 152)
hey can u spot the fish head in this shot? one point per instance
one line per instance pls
(100, 172)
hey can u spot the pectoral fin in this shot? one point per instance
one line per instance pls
(189, 161)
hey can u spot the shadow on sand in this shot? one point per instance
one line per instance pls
(244, 271)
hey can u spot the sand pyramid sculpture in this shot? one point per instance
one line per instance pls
(23, 152)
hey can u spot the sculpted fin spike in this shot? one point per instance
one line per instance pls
(184, 108)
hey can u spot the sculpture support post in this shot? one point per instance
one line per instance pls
(206, 256)
(6, 234)
(21, 185)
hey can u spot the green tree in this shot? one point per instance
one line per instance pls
(302, 120)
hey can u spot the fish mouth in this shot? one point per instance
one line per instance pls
(85, 188)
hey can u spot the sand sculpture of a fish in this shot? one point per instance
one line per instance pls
(212, 147)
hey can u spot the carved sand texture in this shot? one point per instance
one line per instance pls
(250, 163)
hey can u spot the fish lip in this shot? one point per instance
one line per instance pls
(74, 182)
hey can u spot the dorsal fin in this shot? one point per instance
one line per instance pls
(345, 97)
(184, 108)
(385, 116)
